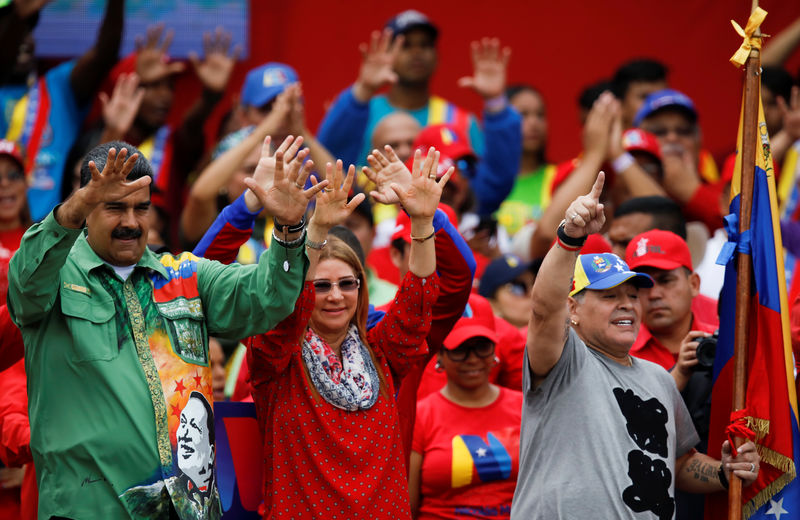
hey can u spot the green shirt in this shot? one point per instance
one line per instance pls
(528, 199)
(112, 364)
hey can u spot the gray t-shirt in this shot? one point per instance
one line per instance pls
(599, 439)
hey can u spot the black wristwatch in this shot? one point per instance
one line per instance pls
(290, 228)
(566, 239)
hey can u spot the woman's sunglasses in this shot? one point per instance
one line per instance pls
(483, 349)
(350, 284)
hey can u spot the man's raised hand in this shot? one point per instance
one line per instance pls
(152, 63)
(377, 62)
(490, 64)
(585, 215)
(215, 69)
(285, 197)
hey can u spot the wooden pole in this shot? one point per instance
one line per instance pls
(744, 263)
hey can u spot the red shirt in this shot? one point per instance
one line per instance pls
(320, 460)
(648, 347)
(9, 243)
(470, 456)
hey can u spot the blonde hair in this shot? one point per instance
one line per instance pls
(337, 249)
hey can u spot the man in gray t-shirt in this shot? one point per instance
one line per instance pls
(604, 435)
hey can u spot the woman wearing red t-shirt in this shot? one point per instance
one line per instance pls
(465, 453)
(324, 386)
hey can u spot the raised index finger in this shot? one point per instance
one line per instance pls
(597, 189)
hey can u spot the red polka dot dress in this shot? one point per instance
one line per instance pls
(321, 461)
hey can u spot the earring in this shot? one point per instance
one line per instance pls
(573, 323)
(438, 367)
(496, 360)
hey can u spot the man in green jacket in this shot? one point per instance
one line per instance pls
(116, 341)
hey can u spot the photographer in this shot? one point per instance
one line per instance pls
(671, 334)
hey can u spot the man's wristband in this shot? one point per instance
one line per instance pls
(290, 228)
(722, 478)
(292, 244)
(622, 163)
(572, 243)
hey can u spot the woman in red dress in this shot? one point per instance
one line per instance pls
(324, 385)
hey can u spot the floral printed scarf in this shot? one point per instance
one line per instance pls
(352, 384)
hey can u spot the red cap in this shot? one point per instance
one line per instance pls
(11, 149)
(446, 138)
(477, 321)
(660, 249)
(596, 243)
(402, 225)
(637, 140)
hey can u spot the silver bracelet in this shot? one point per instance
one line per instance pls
(316, 245)
(292, 244)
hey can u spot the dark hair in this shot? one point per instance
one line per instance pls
(590, 93)
(99, 154)
(666, 213)
(209, 414)
(777, 81)
(399, 244)
(642, 69)
(365, 208)
(516, 88)
(349, 238)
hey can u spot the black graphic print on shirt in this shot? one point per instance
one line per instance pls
(646, 423)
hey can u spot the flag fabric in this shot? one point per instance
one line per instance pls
(771, 402)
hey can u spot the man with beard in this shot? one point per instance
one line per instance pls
(116, 337)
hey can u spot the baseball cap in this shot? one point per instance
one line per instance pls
(638, 140)
(499, 272)
(410, 19)
(450, 140)
(11, 149)
(263, 83)
(476, 321)
(666, 98)
(604, 271)
(402, 226)
(660, 249)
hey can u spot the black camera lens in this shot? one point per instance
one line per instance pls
(706, 350)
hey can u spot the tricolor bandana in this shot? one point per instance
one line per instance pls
(604, 271)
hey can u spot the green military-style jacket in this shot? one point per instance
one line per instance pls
(112, 364)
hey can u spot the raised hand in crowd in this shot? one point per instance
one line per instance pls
(596, 136)
(332, 206)
(284, 196)
(385, 170)
(296, 123)
(632, 179)
(681, 176)
(152, 59)
(264, 175)
(419, 199)
(109, 185)
(377, 60)
(214, 71)
(120, 109)
(490, 64)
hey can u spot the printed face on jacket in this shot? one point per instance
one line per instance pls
(195, 437)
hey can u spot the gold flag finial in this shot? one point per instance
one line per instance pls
(750, 41)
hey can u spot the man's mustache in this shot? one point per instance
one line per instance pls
(123, 233)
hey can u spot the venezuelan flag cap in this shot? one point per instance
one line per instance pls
(604, 271)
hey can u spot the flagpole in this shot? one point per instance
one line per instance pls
(744, 262)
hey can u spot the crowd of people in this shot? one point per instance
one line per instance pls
(426, 310)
